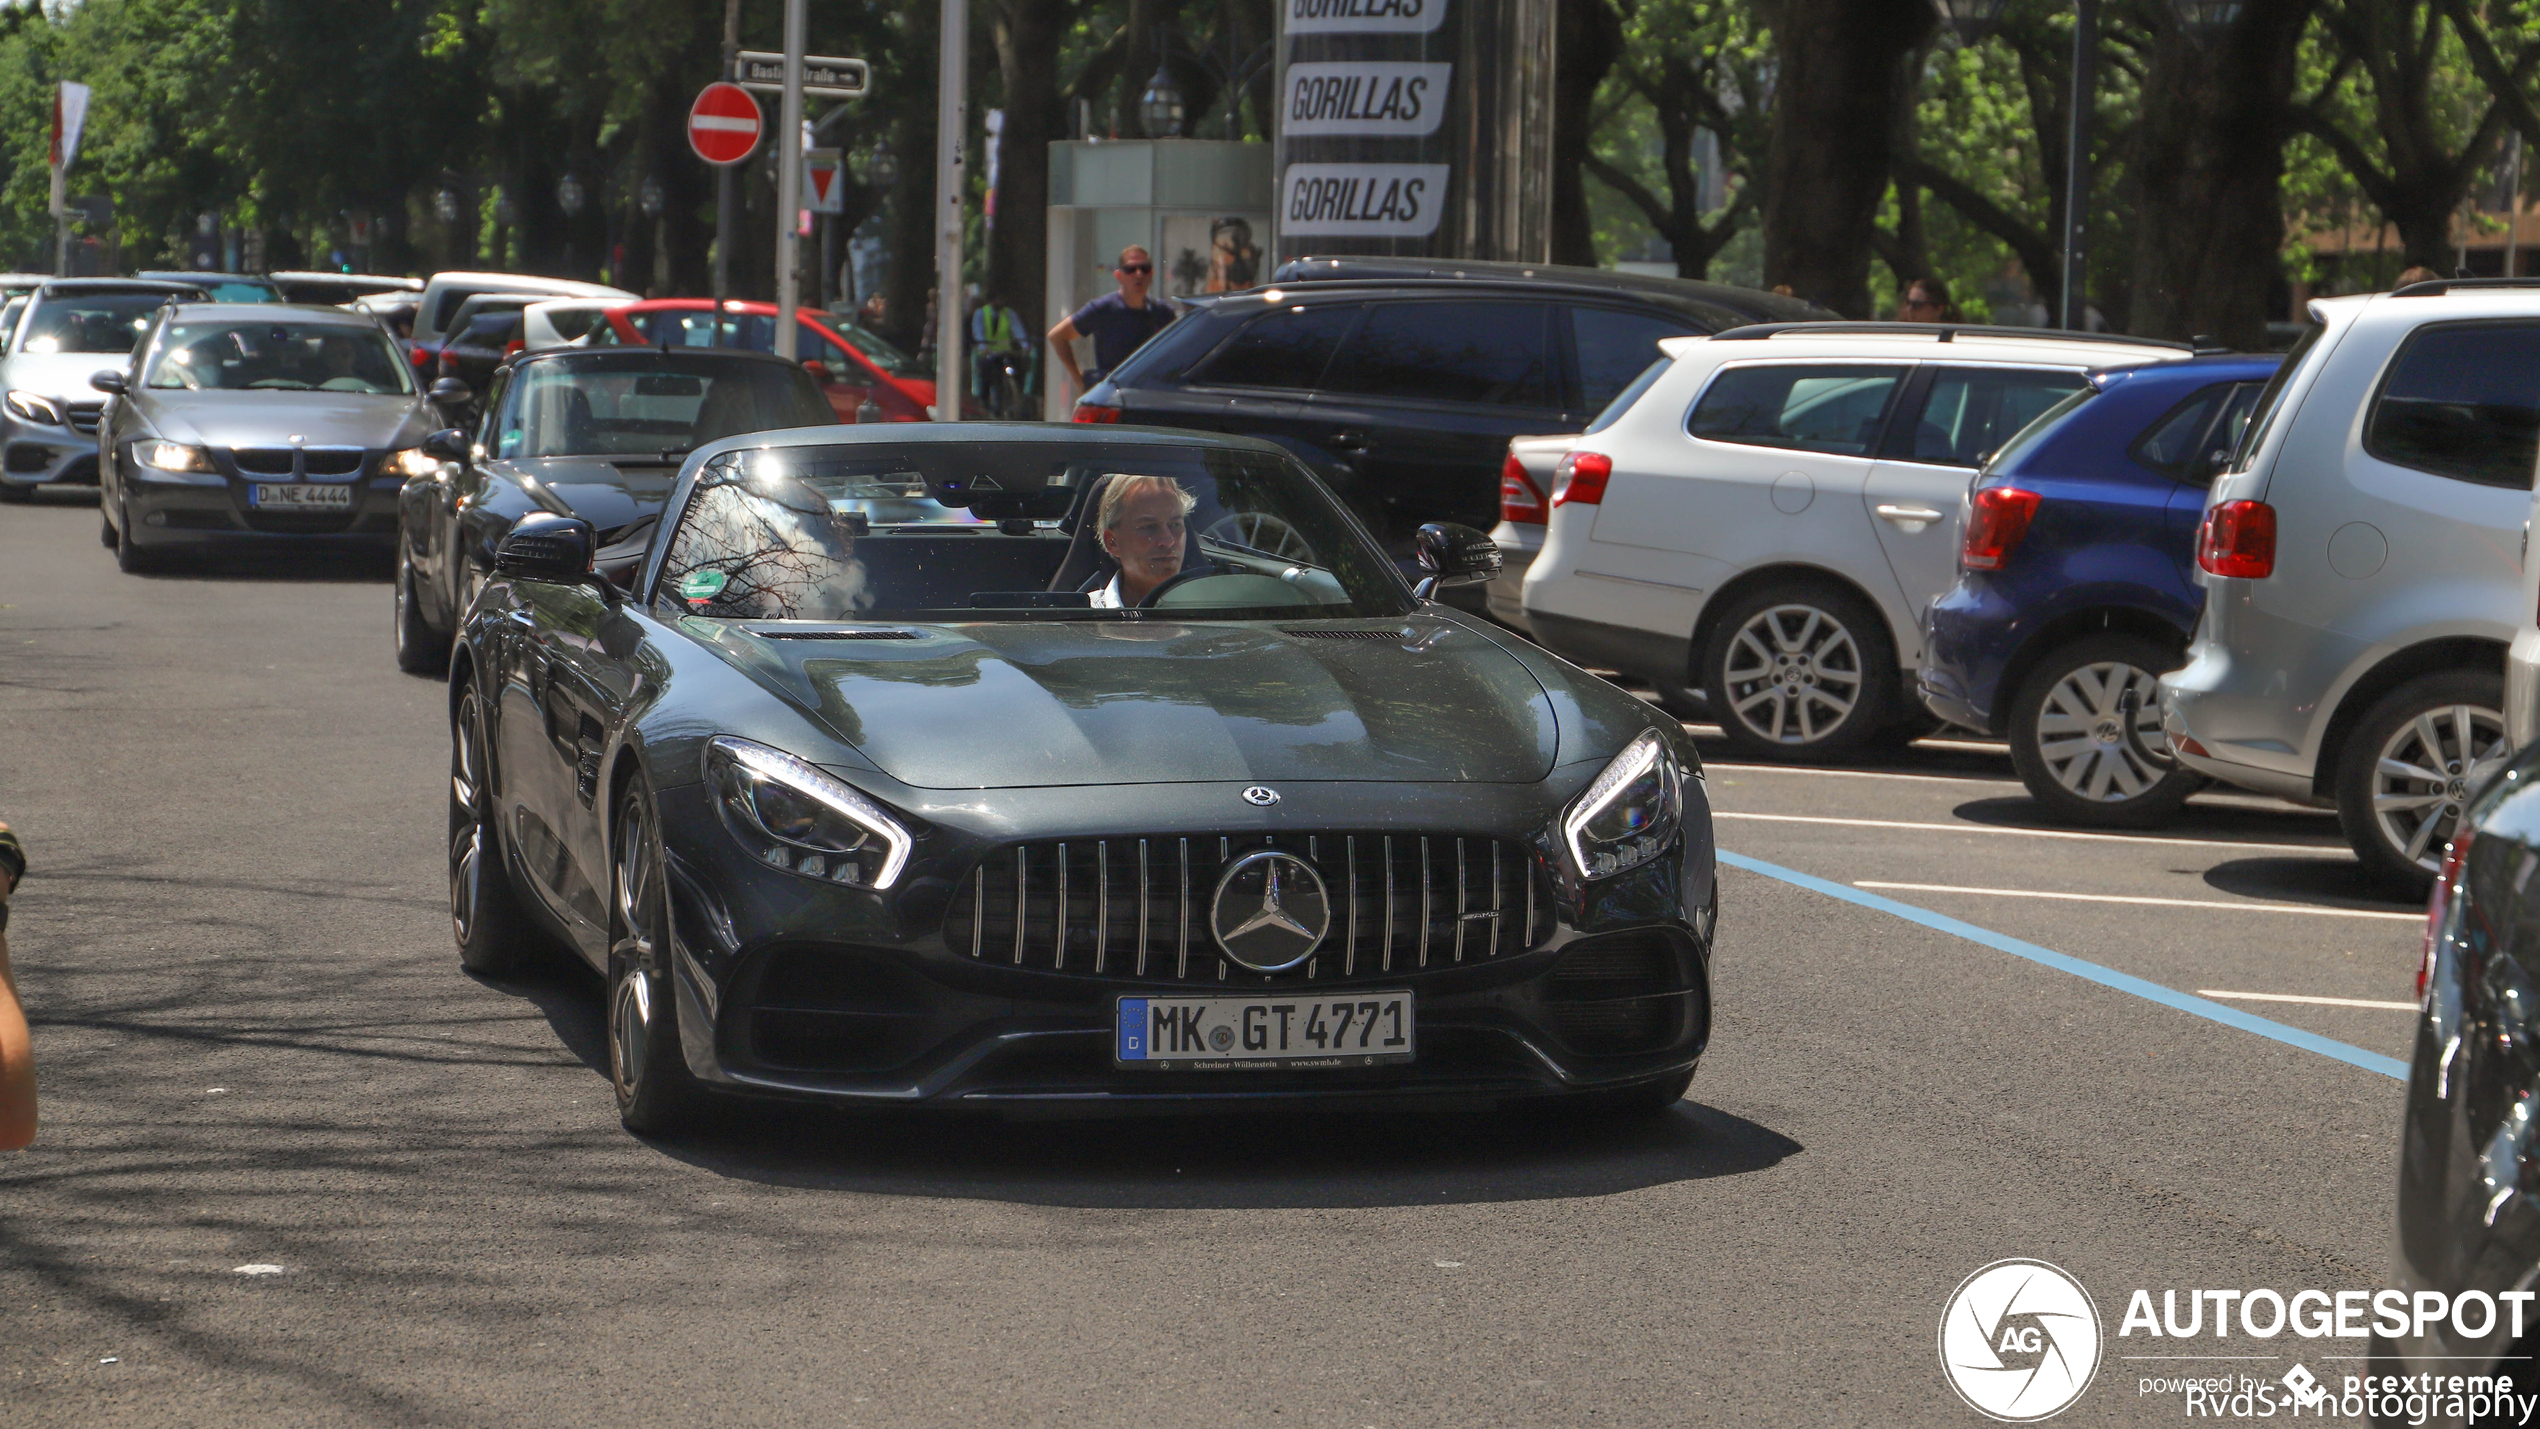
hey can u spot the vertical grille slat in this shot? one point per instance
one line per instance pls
(1048, 899)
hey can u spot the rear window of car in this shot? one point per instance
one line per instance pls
(1286, 349)
(1614, 347)
(2209, 419)
(1838, 408)
(1624, 399)
(1483, 354)
(2462, 400)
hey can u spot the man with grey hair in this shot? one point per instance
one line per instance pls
(1143, 525)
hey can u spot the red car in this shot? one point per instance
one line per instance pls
(851, 373)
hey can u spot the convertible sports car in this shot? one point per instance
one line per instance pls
(1018, 767)
(579, 433)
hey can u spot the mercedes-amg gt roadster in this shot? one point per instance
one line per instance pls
(1008, 767)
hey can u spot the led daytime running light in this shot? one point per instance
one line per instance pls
(35, 407)
(1644, 754)
(841, 800)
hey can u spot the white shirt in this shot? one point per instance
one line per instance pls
(1107, 598)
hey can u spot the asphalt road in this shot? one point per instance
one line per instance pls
(258, 1050)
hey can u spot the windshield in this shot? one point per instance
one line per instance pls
(868, 532)
(241, 290)
(89, 322)
(267, 356)
(644, 403)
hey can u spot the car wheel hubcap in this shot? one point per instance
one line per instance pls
(1793, 674)
(2082, 730)
(467, 824)
(2425, 774)
(637, 888)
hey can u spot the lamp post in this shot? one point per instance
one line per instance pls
(1161, 109)
(649, 196)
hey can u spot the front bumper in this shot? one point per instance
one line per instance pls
(33, 455)
(926, 994)
(175, 510)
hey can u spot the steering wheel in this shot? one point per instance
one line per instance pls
(1182, 578)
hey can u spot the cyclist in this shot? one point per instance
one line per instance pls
(999, 361)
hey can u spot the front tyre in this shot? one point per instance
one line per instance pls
(656, 1093)
(494, 935)
(2085, 735)
(2410, 765)
(1800, 671)
(421, 650)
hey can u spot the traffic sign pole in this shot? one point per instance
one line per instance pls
(952, 108)
(789, 184)
(727, 198)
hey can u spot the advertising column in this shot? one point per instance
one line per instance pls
(1415, 128)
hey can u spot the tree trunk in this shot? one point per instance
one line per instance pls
(1845, 70)
(1146, 17)
(1589, 40)
(1027, 34)
(2210, 156)
(910, 226)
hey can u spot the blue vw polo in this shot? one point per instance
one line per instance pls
(2076, 584)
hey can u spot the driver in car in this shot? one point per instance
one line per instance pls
(1142, 525)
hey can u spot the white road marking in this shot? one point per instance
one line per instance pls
(2032, 833)
(1868, 774)
(2307, 1001)
(2158, 902)
(260, 1268)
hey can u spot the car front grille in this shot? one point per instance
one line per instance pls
(277, 461)
(333, 461)
(1138, 907)
(262, 461)
(84, 416)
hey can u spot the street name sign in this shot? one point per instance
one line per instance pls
(824, 76)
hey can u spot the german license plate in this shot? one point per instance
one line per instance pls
(1358, 1029)
(266, 496)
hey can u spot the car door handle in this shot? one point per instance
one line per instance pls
(1909, 519)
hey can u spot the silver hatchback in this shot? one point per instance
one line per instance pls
(2361, 558)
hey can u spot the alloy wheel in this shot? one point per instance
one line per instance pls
(468, 845)
(2099, 732)
(637, 890)
(1263, 532)
(2426, 772)
(1794, 674)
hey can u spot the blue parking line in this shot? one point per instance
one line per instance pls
(2206, 1008)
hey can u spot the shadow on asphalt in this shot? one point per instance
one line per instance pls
(1214, 1160)
(2289, 827)
(2328, 883)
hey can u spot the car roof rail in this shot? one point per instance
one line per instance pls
(2436, 287)
(1944, 332)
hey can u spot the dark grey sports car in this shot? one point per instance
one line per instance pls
(595, 433)
(248, 424)
(1020, 767)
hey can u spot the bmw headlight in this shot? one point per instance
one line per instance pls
(1629, 815)
(34, 407)
(173, 456)
(412, 462)
(793, 817)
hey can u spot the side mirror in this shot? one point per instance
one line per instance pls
(108, 380)
(1453, 555)
(867, 410)
(818, 369)
(449, 444)
(546, 547)
(451, 392)
(2211, 464)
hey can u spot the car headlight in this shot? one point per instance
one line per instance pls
(1630, 813)
(173, 456)
(34, 407)
(798, 819)
(412, 462)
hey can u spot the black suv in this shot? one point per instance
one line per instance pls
(1401, 380)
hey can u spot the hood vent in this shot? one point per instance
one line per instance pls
(1311, 634)
(837, 634)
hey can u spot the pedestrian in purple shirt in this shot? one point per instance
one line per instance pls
(1119, 323)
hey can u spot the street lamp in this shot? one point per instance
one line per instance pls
(569, 195)
(1160, 109)
(881, 166)
(445, 205)
(649, 196)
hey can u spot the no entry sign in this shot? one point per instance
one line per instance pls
(723, 124)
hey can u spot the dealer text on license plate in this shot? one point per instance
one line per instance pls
(1363, 1029)
(302, 498)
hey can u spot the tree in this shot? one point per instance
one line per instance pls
(1844, 70)
(1699, 65)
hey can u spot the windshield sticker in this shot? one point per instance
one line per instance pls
(703, 586)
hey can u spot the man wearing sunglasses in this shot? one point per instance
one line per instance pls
(1119, 323)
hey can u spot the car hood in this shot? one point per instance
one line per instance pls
(1098, 702)
(263, 419)
(606, 495)
(61, 375)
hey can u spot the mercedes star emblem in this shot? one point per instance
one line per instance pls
(1260, 797)
(1271, 911)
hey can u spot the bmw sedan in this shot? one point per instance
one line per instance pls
(242, 426)
(598, 434)
(1004, 767)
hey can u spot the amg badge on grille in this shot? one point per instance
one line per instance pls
(1261, 797)
(1271, 911)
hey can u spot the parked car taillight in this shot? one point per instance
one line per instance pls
(2447, 886)
(1580, 479)
(1095, 412)
(1519, 501)
(1997, 519)
(514, 348)
(2238, 540)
